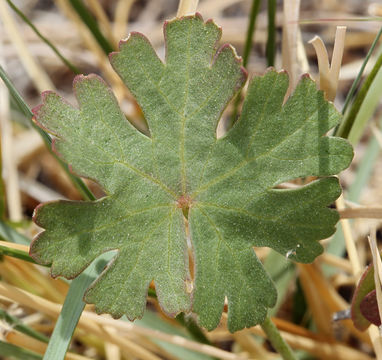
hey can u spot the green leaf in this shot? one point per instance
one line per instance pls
(226, 186)
(365, 285)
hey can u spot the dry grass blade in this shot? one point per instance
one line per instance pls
(349, 241)
(15, 246)
(366, 212)
(336, 261)
(112, 351)
(8, 165)
(320, 349)
(187, 7)
(121, 16)
(89, 41)
(320, 311)
(329, 75)
(49, 308)
(293, 53)
(99, 12)
(39, 77)
(22, 340)
(94, 323)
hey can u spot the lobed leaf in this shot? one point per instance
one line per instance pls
(225, 186)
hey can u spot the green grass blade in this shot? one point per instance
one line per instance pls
(18, 254)
(367, 108)
(15, 94)
(72, 309)
(357, 80)
(352, 116)
(250, 31)
(78, 183)
(8, 233)
(15, 352)
(18, 325)
(247, 51)
(92, 25)
(271, 41)
(42, 37)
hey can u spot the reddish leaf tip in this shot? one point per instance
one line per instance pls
(369, 308)
(36, 111)
(306, 76)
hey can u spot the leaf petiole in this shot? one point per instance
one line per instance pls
(276, 339)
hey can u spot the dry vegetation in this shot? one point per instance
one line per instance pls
(311, 294)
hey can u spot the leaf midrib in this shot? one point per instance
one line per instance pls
(247, 161)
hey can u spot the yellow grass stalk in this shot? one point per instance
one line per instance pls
(39, 77)
(113, 79)
(51, 289)
(320, 349)
(10, 273)
(173, 339)
(99, 13)
(248, 343)
(366, 212)
(15, 246)
(349, 241)
(319, 309)
(112, 351)
(47, 307)
(93, 323)
(7, 157)
(293, 53)
(121, 17)
(27, 342)
(336, 261)
(187, 7)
